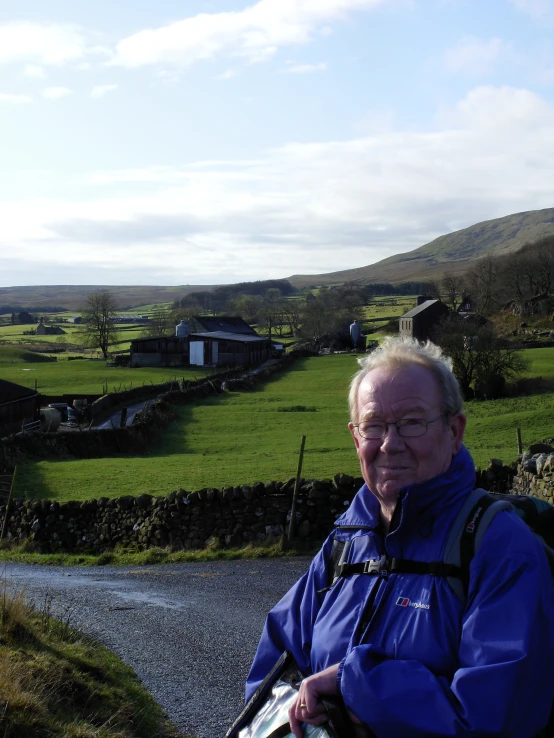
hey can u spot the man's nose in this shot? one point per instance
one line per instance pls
(392, 440)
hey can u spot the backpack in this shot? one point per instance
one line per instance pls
(476, 514)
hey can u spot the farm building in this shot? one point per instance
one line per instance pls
(160, 351)
(49, 330)
(18, 406)
(228, 349)
(420, 321)
(219, 342)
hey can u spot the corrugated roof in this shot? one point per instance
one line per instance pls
(419, 308)
(225, 323)
(225, 336)
(9, 391)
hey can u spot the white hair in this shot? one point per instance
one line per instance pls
(397, 353)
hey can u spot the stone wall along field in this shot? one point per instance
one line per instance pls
(535, 473)
(231, 517)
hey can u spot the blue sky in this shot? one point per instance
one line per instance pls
(214, 141)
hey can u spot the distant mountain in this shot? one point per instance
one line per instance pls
(73, 297)
(454, 252)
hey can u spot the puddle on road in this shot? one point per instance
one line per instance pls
(147, 598)
(59, 584)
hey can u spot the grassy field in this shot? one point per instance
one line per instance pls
(225, 440)
(84, 375)
(254, 436)
(541, 362)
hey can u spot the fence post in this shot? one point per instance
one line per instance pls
(8, 507)
(296, 490)
(123, 420)
(518, 438)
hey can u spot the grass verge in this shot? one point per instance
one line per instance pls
(125, 557)
(56, 682)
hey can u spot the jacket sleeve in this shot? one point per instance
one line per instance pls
(288, 627)
(504, 684)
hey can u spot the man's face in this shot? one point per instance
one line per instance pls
(393, 462)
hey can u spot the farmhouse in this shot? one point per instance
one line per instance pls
(18, 406)
(49, 330)
(419, 322)
(220, 341)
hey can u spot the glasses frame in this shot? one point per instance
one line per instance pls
(396, 423)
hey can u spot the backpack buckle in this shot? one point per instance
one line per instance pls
(377, 566)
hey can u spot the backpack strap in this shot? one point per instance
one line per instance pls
(476, 514)
(339, 553)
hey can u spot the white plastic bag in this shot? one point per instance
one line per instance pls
(275, 712)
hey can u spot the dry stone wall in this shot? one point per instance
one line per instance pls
(535, 475)
(228, 517)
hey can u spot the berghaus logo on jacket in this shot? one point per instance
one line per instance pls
(406, 602)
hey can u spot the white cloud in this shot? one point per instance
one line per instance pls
(34, 71)
(474, 55)
(228, 74)
(101, 90)
(306, 68)
(40, 43)
(254, 33)
(56, 93)
(14, 99)
(535, 8)
(301, 208)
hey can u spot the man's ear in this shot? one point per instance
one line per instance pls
(354, 434)
(457, 424)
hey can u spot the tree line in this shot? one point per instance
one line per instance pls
(518, 281)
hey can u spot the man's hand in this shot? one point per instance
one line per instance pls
(308, 707)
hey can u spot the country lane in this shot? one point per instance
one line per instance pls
(188, 630)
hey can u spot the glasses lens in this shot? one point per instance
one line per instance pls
(411, 427)
(372, 429)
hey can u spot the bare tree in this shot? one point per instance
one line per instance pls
(452, 286)
(160, 323)
(98, 317)
(482, 279)
(481, 360)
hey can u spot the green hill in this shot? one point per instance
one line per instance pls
(453, 252)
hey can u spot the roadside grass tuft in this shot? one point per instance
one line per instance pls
(56, 682)
(151, 556)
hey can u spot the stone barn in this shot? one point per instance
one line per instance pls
(420, 321)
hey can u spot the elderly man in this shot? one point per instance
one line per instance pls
(407, 656)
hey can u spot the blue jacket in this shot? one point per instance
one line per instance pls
(414, 660)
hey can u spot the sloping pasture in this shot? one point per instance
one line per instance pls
(245, 437)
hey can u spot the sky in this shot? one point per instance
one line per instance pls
(217, 141)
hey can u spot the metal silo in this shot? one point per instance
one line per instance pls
(182, 330)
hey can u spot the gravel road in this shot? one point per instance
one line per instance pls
(188, 630)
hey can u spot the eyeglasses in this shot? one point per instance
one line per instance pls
(408, 428)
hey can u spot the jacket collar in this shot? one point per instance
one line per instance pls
(416, 500)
